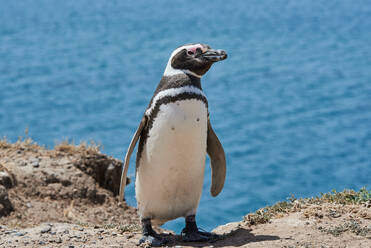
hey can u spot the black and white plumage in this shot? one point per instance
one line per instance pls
(175, 135)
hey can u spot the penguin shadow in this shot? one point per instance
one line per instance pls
(235, 238)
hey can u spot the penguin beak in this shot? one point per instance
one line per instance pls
(214, 55)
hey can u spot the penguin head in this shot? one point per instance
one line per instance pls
(193, 59)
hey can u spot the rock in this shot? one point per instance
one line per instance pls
(22, 163)
(52, 178)
(129, 235)
(46, 229)
(10, 231)
(19, 234)
(35, 162)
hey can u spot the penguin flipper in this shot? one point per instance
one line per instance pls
(133, 142)
(218, 162)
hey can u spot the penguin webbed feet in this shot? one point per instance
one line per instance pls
(198, 236)
(150, 237)
(191, 233)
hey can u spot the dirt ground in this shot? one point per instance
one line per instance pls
(67, 197)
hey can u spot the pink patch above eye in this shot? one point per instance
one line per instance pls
(193, 49)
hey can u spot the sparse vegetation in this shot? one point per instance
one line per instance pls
(352, 226)
(346, 197)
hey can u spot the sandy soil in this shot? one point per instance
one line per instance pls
(67, 197)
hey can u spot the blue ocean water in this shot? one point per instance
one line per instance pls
(291, 104)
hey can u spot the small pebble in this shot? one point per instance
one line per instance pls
(29, 205)
(22, 163)
(19, 234)
(129, 236)
(41, 242)
(46, 229)
(35, 162)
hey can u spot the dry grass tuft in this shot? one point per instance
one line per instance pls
(4, 144)
(81, 148)
(21, 144)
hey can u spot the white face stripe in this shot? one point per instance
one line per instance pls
(173, 92)
(170, 71)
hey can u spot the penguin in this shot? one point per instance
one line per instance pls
(175, 134)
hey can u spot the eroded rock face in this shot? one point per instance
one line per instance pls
(68, 172)
(68, 183)
(105, 170)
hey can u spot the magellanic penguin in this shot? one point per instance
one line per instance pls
(175, 134)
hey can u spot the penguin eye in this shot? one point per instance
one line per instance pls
(190, 52)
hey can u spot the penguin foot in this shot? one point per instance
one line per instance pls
(150, 237)
(198, 236)
(153, 240)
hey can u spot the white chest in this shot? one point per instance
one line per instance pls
(182, 124)
(171, 169)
